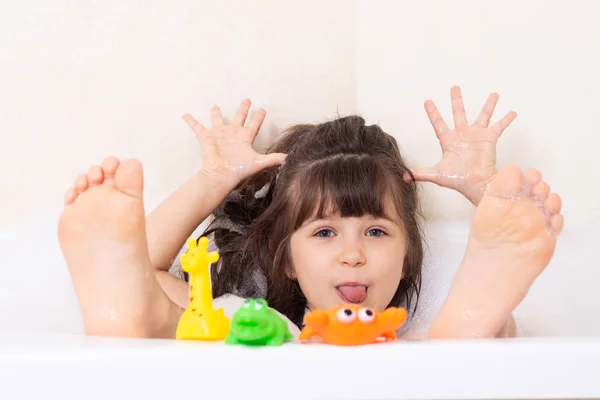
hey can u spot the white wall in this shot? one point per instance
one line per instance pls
(543, 57)
(83, 80)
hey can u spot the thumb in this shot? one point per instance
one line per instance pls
(269, 160)
(423, 174)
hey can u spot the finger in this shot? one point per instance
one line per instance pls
(257, 121)
(458, 108)
(215, 116)
(239, 119)
(196, 126)
(501, 125)
(270, 160)
(439, 126)
(425, 174)
(488, 109)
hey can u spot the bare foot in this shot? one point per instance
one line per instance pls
(512, 239)
(102, 234)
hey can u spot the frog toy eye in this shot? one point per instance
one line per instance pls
(247, 303)
(260, 304)
(366, 315)
(346, 315)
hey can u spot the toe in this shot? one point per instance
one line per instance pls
(508, 181)
(556, 223)
(95, 175)
(110, 166)
(553, 203)
(540, 191)
(70, 196)
(81, 183)
(533, 176)
(129, 178)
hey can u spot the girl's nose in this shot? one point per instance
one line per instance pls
(352, 256)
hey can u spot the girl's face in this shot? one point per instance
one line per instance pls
(349, 260)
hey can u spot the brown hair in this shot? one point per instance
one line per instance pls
(342, 163)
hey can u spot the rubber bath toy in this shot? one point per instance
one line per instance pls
(353, 325)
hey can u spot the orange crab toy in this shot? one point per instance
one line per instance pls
(353, 325)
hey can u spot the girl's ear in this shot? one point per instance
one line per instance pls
(290, 273)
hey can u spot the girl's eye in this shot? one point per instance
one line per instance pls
(376, 232)
(324, 233)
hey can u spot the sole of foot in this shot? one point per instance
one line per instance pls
(512, 239)
(102, 234)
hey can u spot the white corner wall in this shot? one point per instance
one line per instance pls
(542, 57)
(83, 80)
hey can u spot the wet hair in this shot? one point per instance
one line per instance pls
(343, 164)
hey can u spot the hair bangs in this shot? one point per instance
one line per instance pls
(347, 185)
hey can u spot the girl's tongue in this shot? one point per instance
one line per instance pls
(352, 294)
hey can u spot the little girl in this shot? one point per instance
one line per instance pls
(328, 216)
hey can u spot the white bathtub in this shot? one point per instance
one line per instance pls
(43, 353)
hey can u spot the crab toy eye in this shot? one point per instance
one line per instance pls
(346, 315)
(366, 315)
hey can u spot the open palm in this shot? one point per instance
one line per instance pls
(469, 151)
(227, 149)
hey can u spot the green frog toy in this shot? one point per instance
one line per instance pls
(256, 324)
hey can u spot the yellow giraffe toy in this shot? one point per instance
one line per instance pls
(200, 321)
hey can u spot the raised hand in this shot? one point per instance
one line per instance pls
(469, 151)
(227, 149)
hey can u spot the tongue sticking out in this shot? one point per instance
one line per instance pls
(352, 294)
